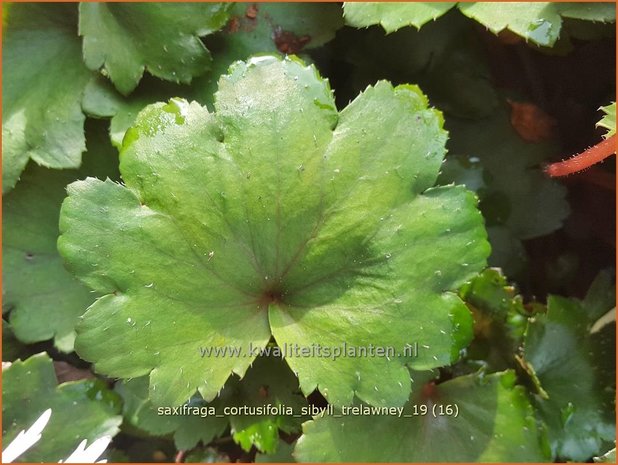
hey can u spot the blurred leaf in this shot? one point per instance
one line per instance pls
(118, 39)
(44, 299)
(80, 410)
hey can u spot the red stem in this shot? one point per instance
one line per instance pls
(180, 456)
(584, 160)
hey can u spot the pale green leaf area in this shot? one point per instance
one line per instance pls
(297, 26)
(80, 410)
(495, 423)
(608, 121)
(44, 299)
(576, 370)
(537, 22)
(41, 114)
(118, 39)
(276, 216)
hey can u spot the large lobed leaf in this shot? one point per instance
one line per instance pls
(42, 118)
(124, 39)
(276, 216)
(43, 298)
(80, 410)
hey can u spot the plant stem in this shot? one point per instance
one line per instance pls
(584, 160)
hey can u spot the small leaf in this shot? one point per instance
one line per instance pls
(276, 216)
(494, 424)
(119, 39)
(609, 120)
(80, 410)
(393, 16)
(44, 299)
(41, 117)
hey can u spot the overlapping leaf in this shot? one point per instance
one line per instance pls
(276, 216)
(44, 299)
(576, 371)
(494, 424)
(41, 114)
(538, 22)
(124, 39)
(80, 410)
(253, 28)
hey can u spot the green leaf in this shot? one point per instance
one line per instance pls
(44, 299)
(102, 101)
(500, 319)
(188, 428)
(393, 16)
(577, 371)
(41, 117)
(120, 40)
(494, 423)
(609, 119)
(604, 12)
(80, 410)
(268, 382)
(538, 22)
(276, 216)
